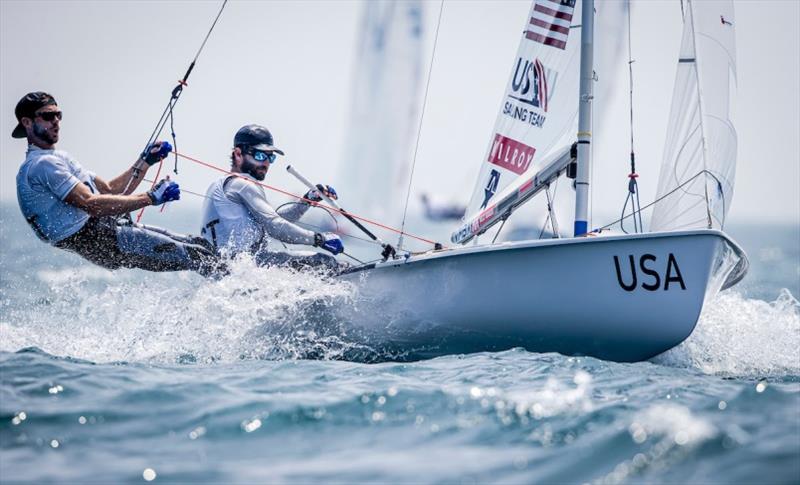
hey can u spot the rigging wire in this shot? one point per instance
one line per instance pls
(419, 128)
(167, 114)
(503, 223)
(679, 187)
(550, 204)
(633, 187)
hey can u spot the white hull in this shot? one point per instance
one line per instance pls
(573, 296)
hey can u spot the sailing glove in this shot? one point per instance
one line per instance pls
(329, 242)
(164, 191)
(313, 195)
(155, 152)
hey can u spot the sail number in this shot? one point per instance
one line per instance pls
(647, 276)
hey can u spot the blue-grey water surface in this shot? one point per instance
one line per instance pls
(132, 377)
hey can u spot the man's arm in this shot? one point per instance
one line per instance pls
(276, 226)
(294, 211)
(127, 182)
(105, 204)
(130, 178)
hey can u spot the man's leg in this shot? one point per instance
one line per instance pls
(96, 242)
(113, 244)
(156, 249)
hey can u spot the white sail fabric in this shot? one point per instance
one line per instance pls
(385, 109)
(540, 105)
(695, 186)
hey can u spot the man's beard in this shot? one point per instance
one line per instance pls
(43, 134)
(250, 168)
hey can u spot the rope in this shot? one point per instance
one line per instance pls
(302, 199)
(167, 114)
(419, 128)
(153, 184)
(679, 187)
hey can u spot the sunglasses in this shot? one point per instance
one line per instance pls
(262, 156)
(50, 115)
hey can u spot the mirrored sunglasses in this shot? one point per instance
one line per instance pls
(262, 156)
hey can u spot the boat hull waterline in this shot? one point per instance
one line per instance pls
(624, 298)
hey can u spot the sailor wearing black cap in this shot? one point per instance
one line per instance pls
(238, 218)
(74, 209)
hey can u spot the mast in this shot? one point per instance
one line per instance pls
(585, 119)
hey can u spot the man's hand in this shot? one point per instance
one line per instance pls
(329, 242)
(155, 152)
(164, 191)
(313, 195)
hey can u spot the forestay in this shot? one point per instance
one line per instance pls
(539, 108)
(697, 175)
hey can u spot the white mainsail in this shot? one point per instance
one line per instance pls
(385, 109)
(695, 186)
(540, 105)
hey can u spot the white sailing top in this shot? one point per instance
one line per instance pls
(43, 182)
(237, 217)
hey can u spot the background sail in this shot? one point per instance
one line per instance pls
(700, 136)
(385, 109)
(540, 104)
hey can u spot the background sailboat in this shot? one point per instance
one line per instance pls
(385, 108)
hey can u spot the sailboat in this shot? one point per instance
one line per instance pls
(621, 297)
(384, 111)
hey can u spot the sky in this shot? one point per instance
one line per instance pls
(289, 65)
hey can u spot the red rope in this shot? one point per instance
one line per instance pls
(155, 180)
(363, 219)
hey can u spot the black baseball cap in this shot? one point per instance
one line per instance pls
(255, 136)
(27, 108)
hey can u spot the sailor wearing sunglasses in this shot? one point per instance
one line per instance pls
(238, 218)
(74, 209)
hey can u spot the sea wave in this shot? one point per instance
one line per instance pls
(253, 313)
(739, 336)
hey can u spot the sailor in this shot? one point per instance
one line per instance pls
(237, 218)
(74, 209)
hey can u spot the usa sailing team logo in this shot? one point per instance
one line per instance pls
(529, 84)
(529, 93)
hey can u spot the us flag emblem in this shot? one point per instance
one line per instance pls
(550, 22)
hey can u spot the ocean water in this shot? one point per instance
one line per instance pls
(134, 377)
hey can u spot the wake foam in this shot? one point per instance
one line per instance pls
(179, 317)
(737, 336)
(277, 313)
